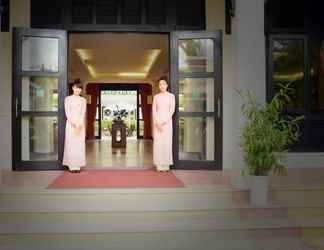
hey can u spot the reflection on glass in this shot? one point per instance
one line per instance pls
(39, 54)
(288, 67)
(140, 113)
(97, 113)
(39, 94)
(96, 128)
(39, 138)
(196, 138)
(141, 128)
(196, 94)
(196, 55)
(317, 75)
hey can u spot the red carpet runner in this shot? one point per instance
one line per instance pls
(116, 179)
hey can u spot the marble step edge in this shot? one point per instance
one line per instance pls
(274, 212)
(191, 189)
(74, 228)
(12, 208)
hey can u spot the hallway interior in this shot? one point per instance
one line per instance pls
(137, 154)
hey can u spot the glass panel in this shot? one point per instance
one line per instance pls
(39, 138)
(39, 54)
(97, 113)
(317, 75)
(196, 94)
(140, 113)
(96, 128)
(39, 94)
(196, 138)
(141, 128)
(288, 67)
(196, 55)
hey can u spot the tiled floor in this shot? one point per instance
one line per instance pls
(138, 153)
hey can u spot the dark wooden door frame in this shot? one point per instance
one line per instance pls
(173, 36)
(218, 103)
(17, 74)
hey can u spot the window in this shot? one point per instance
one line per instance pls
(296, 55)
(299, 60)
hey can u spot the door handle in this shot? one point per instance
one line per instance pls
(218, 108)
(16, 104)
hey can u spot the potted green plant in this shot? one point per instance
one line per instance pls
(265, 140)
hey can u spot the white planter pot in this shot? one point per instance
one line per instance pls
(259, 187)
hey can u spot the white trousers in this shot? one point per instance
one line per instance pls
(72, 168)
(162, 167)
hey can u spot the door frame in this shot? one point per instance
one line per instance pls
(173, 86)
(217, 163)
(17, 75)
(121, 86)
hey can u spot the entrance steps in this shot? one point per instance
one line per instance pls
(196, 217)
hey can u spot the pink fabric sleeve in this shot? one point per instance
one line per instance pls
(171, 109)
(154, 111)
(84, 111)
(68, 113)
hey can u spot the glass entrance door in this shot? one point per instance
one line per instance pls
(196, 80)
(39, 88)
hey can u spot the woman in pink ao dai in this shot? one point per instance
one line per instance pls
(163, 108)
(74, 145)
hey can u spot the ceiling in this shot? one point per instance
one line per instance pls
(118, 57)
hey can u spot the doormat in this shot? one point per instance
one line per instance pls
(116, 179)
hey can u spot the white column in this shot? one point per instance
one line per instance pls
(248, 34)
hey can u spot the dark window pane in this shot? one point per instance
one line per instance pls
(131, 10)
(156, 12)
(316, 133)
(287, 14)
(190, 12)
(4, 5)
(315, 14)
(82, 11)
(106, 11)
(317, 75)
(45, 12)
(288, 67)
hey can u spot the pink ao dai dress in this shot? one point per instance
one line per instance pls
(74, 145)
(163, 108)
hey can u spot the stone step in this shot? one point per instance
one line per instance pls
(271, 239)
(110, 200)
(314, 237)
(130, 222)
(296, 195)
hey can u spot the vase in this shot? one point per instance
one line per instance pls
(259, 188)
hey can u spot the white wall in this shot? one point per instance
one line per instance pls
(19, 17)
(5, 101)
